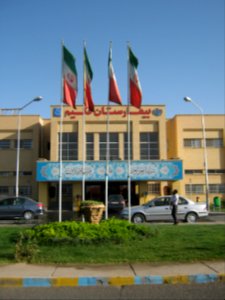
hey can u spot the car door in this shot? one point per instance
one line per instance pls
(18, 206)
(5, 206)
(183, 207)
(159, 209)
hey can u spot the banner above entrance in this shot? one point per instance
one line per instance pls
(96, 170)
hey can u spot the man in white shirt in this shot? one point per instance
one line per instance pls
(174, 205)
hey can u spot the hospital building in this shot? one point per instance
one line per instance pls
(165, 153)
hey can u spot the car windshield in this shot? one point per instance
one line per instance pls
(115, 197)
(147, 204)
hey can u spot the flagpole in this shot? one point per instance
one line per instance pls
(83, 127)
(107, 152)
(107, 164)
(60, 142)
(128, 140)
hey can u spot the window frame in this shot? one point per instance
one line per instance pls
(114, 146)
(149, 145)
(68, 146)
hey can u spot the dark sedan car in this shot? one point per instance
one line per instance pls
(116, 202)
(20, 207)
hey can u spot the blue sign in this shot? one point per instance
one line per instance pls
(157, 112)
(56, 112)
(118, 170)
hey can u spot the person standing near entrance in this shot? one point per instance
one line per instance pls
(174, 206)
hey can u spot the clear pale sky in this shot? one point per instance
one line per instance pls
(179, 44)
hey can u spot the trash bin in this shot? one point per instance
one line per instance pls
(217, 201)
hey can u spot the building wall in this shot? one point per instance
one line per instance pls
(96, 123)
(44, 134)
(144, 120)
(183, 127)
(30, 131)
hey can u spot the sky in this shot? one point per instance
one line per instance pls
(179, 45)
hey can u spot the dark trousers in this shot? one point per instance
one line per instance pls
(174, 213)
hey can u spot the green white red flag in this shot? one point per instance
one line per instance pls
(88, 75)
(69, 78)
(134, 83)
(114, 93)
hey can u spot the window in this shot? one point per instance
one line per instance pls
(126, 146)
(214, 143)
(193, 171)
(18, 201)
(194, 188)
(25, 173)
(199, 188)
(162, 201)
(198, 143)
(192, 143)
(69, 146)
(216, 188)
(113, 146)
(4, 190)
(216, 171)
(4, 144)
(89, 146)
(24, 190)
(154, 188)
(6, 173)
(24, 144)
(149, 145)
(7, 202)
(67, 190)
(182, 201)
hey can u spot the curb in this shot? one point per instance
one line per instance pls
(109, 281)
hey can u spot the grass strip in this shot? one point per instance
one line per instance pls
(183, 243)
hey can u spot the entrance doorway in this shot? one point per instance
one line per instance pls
(67, 196)
(96, 191)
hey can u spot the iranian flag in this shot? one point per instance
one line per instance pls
(135, 86)
(88, 75)
(69, 78)
(114, 93)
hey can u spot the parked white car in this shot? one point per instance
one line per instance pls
(159, 209)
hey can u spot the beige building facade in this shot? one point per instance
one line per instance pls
(164, 154)
(185, 141)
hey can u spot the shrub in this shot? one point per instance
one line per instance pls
(112, 230)
(26, 247)
(74, 233)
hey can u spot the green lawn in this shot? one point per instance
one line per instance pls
(8, 236)
(183, 243)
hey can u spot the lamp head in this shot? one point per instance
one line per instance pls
(38, 98)
(187, 99)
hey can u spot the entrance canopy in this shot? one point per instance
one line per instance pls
(118, 170)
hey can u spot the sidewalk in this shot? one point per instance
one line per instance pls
(28, 275)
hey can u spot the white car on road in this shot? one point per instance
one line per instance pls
(159, 209)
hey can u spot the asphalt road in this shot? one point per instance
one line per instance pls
(211, 291)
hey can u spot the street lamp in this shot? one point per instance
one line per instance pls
(187, 99)
(39, 98)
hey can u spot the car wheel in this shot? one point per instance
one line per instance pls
(28, 215)
(138, 218)
(191, 217)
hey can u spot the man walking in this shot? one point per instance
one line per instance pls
(174, 205)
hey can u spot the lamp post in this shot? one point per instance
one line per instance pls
(39, 98)
(187, 99)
